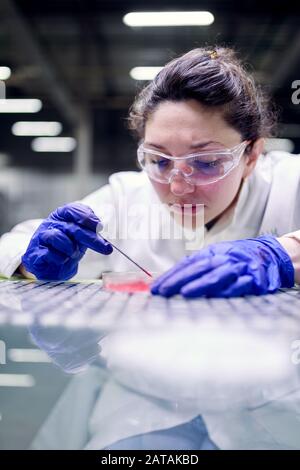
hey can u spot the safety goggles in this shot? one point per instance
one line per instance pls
(197, 168)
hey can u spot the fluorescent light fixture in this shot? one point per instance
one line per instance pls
(144, 73)
(20, 105)
(53, 144)
(23, 128)
(5, 73)
(16, 380)
(27, 355)
(285, 145)
(169, 18)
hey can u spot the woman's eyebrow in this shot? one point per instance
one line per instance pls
(204, 144)
(160, 147)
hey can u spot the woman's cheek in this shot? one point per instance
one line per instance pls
(220, 195)
(211, 193)
(161, 189)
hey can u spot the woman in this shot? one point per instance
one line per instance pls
(203, 104)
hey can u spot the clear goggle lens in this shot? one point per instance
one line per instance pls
(198, 169)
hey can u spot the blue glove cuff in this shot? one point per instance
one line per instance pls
(285, 265)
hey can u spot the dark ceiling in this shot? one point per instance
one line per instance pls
(77, 54)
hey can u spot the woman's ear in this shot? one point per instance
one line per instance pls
(252, 153)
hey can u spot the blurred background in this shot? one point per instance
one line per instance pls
(81, 62)
(69, 70)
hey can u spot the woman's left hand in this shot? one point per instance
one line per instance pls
(230, 269)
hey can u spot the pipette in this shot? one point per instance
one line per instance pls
(128, 257)
(99, 229)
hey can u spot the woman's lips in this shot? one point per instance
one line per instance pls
(187, 207)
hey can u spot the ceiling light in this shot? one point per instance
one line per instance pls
(5, 73)
(169, 18)
(27, 355)
(20, 105)
(144, 73)
(53, 144)
(16, 380)
(23, 128)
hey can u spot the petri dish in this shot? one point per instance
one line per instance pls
(129, 281)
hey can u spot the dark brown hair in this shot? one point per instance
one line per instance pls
(215, 78)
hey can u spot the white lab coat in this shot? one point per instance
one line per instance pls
(268, 203)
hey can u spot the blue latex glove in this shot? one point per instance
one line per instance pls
(229, 269)
(62, 239)
(70, 349)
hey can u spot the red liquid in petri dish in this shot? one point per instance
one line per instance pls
(135, 286)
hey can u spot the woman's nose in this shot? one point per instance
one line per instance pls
(182, 167)
(179, 186)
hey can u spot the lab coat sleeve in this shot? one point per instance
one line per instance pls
(291, 242)
(13, 245)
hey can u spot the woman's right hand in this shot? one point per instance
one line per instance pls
(61, 240)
